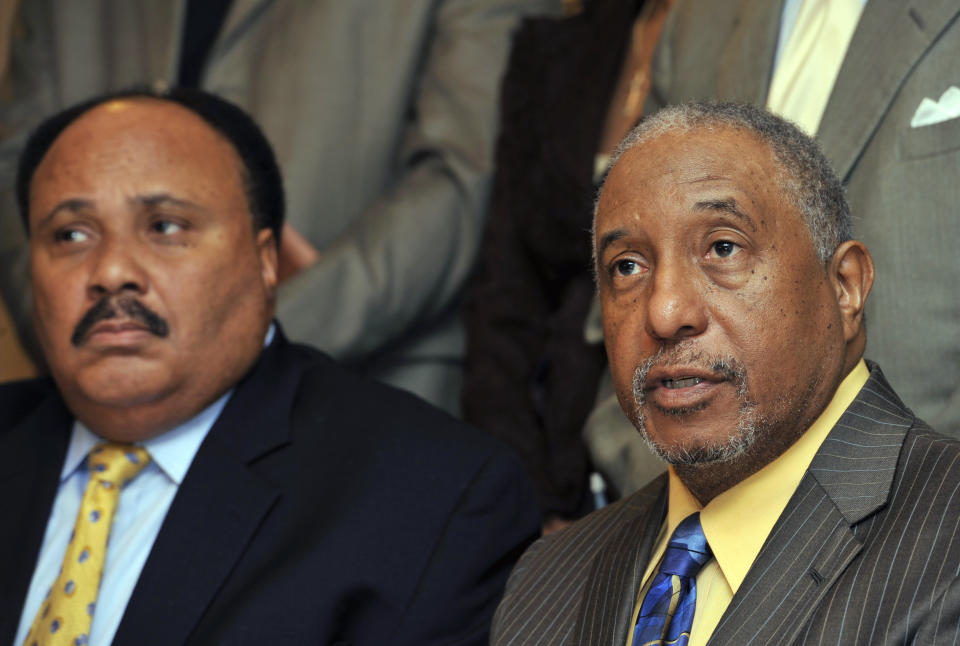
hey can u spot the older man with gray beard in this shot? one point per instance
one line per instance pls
(804, 502)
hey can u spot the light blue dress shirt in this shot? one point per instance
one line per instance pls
(140, 512)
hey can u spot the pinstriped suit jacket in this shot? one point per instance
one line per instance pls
(867, 550)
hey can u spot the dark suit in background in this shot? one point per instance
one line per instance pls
(320, 509)
(902, 182)
(530, 376)
(848, 562)
(14, 362)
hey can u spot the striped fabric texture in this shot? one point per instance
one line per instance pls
(866, 552)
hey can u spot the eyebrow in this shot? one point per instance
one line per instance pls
(728, 205)
(159, 199)
(75, 205)
(609, 238)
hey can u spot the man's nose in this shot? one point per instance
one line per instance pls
(116, 268)
(676, 308)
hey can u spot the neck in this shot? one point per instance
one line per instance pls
(707, 481)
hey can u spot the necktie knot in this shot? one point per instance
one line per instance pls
(688, 550)
(115, 464)
(666, 612)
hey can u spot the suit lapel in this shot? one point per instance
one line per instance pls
(746, 61)
(218, 507)
(813, 541)
(806, 551)
(31, 457)
(889, 39)
(857, 462)
(617, 574)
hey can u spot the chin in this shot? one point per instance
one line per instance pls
(120, 383)
(704, 454)
(705, 450)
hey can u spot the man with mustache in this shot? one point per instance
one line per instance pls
(107, 309)
(804, 502)
(187, 475)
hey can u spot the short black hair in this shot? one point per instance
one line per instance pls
(261, 175)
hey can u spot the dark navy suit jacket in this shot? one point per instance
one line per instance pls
(321, 508)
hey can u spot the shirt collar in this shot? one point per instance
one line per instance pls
(738, 521)
(172, 451)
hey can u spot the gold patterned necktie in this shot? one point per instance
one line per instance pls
(64, 616)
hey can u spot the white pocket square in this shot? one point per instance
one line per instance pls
(930, 112)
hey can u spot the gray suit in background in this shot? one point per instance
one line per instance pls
(848, 561)
(383, 117)
(903, 183)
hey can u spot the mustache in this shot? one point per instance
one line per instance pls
(110, 307)
(727, 368)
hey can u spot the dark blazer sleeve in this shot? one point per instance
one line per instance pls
(492, 519)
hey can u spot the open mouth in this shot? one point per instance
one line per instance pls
(683, 379)
(683, 382)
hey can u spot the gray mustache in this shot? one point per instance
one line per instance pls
(729, 368)
(108, 308)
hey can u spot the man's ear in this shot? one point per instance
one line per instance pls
(267, 250)
(851, 272)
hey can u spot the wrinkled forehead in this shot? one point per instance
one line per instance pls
(696, 161)
(667, 189)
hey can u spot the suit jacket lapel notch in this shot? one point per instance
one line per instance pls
(219, 507)
(617, 575)
(874, 70)
(857, 462)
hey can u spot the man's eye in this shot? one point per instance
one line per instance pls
(70, 235)
(165, 227)
(626, 267)
(724, 248)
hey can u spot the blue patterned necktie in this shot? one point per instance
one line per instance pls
(667, 611)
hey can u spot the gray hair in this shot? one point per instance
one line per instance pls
(805, 174)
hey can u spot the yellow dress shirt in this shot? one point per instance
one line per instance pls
(738, 521)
